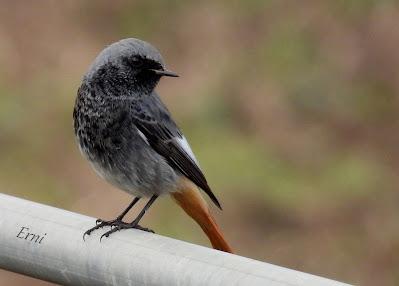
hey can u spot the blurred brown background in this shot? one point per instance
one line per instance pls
(291, 107)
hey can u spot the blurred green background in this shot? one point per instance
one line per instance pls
(292, 108)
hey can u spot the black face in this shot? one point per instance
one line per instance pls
(141, 72)
(137, 74)
(142, 68)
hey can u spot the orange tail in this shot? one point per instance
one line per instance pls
(191, 201)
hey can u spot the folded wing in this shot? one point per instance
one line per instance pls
(163, 135)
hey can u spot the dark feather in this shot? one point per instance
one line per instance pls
(162, 133)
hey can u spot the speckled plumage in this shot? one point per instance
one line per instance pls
(125, 130)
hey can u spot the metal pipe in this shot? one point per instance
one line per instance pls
(46, 242)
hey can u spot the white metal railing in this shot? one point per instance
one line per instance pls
(46, 242)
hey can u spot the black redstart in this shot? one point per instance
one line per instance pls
(128, 136)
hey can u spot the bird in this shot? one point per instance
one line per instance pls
(130, 139)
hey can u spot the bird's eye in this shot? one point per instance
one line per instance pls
(137, 62)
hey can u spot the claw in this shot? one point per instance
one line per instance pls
(118, 227)
(100, 224)
(89, 231)
(144, 229)
(114, 229)
(101, 237)
(86, 233)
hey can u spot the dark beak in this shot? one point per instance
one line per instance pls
(165, 73)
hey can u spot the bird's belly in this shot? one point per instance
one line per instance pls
(135, 168)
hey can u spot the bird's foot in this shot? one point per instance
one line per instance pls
(122, 225)
(101, 223)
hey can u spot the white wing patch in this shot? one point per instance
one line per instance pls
(181, 141)
(186, 147)
(143, 136)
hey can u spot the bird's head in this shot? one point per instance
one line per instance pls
(130, 61)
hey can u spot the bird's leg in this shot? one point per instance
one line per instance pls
(135, 222)
(101, 223)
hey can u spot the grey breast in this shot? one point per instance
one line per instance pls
(117, 150)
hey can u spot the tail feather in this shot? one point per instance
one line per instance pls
(191, 201)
